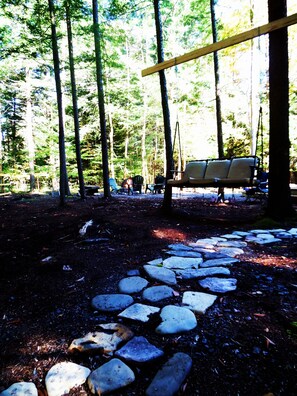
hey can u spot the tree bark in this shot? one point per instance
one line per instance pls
(279, 198)
(99, 70)
(56, 60)
(167, 201)
(74, 102)
(29, 129)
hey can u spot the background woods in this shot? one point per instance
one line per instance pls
(29, 143)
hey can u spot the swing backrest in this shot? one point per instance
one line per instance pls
(194, 169)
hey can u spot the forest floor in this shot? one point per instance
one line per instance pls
(247, 341)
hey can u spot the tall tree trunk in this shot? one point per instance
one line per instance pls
(143, 137)
(74, 102)
(29, 129)
(111, 142)
(99, 70)
(279, 198)
(167, 201)
(217, 82)
(63, 172)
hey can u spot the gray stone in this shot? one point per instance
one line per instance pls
(171, 376)
(157, 293)
(205, 250)
(197, 301)
(133, 272)
(105, 341)
(231, 236)
(258, 231)
(62, 377)
(184, 253)
(202, 272)
(110, 376)
(111, 302)
(241, 233)
(293, 231)
(139, 350)
(236, 244)
(133, 284)
(176, 320)
(182, 262)
(219, 285)
(226, 261)
(20, 389)
(232, 252)
(214, 255)
(139, 312)
(161, 274)
(157, 261)
(284, 235)
(179, 246)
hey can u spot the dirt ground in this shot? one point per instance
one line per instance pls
(246, 344)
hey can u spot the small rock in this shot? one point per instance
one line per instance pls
(139, 312)
(219, 285)
(164, 275)
(139, 350)
(176, 320)
(198, 302)
(157, 293)
(111, 302)
(133, 284)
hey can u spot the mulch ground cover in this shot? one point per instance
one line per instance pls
(246, 344)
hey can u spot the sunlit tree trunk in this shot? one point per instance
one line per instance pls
(29, 129)
(111, 141)
(167, 201)
(143, 138)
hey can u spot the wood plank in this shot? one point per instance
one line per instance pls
(239, 38)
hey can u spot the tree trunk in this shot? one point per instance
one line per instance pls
(279, 198)
(63, 172)
(29, 129)
(74, 102)
(167, 201)
(99, 70)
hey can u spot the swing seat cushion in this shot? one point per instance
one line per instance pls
(194, 169)
(216, 170)
(240, 173)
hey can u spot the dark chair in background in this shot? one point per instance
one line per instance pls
(137, 183)
(158, 186)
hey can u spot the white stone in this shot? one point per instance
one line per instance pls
(197, 301)
(293, 231)
(265, 236)
(161, 274)
(184, 253)
(236, 244)
(241, 233)
(139, 350)
(110, 376)
(139, 312)
(225, 261)
(231, 236)
(232, 252)
(157, 293)
(62, 377)
(20, 389)
(179, 246)
(133, 284)
(171, 376)
(260, 231)
(111, 302)
(182, 262)
(219, 285)
(202, 272)
(218, 239)
(105, 341)
(176, 320)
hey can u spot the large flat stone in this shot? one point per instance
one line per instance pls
(157, 293)
(219, 285)
(197, 301)
(111, 302)
(176, 320)
(182, 262)
(105, 341)
(139, 312)
(202, 272)
(139, 350)
(171, 376)
(184, 253)
(179, 246)
(225, 261)
(161, 274)
(110, 376)
(132, 284)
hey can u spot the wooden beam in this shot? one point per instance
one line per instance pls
(239, 38)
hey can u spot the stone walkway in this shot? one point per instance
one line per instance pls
(208, 260)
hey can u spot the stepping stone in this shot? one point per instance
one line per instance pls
(139, 312)
(62, 377)
(197, 301)
(171, 376)
(260, 231)
(139, 350)
(20, 389)
(236, 244)
(184, 253)
(284, 235)
(219, 285)
(111, 302)
(241, 233)
(231, 236)
(219, 239)
(202, 272)
(157, 261)
(205, 250)
(133, 272)
(182, 262)
(110, 376)
(214, 255)
(104, 341)
(157, 293)
(133, 284)
(226, 261)
(179, 246)
(161, 274)
(293, 231)
(232, 252)
(176, 320)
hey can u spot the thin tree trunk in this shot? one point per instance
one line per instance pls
(29, 129)
(63, 172)
(111, 143)
(99, 70)
(143, 138)
(279, 198)
(74, 102)
(167, 201)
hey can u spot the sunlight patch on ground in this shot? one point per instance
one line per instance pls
(169, 233)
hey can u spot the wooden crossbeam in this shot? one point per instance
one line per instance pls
(230, 41)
